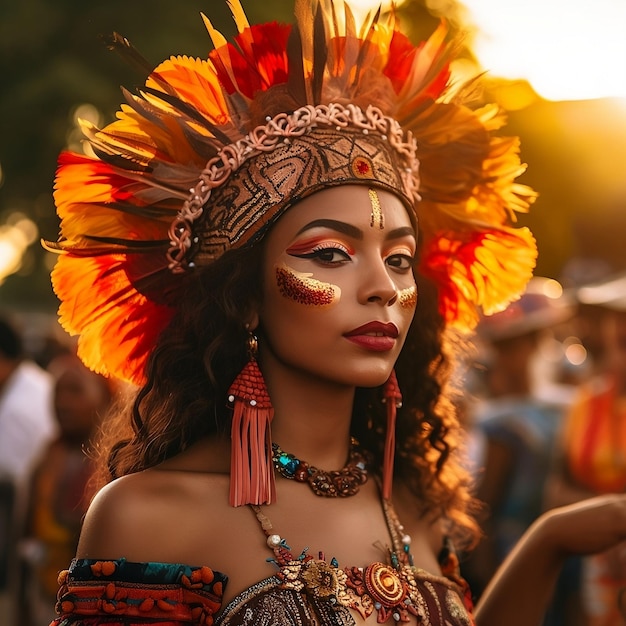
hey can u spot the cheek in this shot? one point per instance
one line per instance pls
(302, 289)
(408, 297)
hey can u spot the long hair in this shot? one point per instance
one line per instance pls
(198, 356)
(188, 373)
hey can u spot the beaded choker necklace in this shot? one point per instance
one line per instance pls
(338, 483)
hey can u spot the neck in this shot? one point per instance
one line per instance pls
(311, 415)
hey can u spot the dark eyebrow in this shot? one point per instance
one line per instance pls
(403, 231)
(354, 232)
(341, 227)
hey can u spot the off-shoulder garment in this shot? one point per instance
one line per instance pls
(304, 591)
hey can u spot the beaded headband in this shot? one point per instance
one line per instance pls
(210, 152)
(294, 155)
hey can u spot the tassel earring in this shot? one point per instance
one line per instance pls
(393, 399)
(251, 467)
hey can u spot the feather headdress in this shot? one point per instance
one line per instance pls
(210, 152)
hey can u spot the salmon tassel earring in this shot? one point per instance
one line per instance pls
(393, 399)
(251, 468)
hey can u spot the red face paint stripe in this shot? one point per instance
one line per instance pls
(304, 290)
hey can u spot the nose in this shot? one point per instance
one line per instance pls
(377, 285)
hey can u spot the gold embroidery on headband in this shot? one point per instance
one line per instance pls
(303, 289)
(377, 214)
(408, 297)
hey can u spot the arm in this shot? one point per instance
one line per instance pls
(526, 579)
(129, 569)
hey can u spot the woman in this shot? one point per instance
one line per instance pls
(58, 494)
(249, 231)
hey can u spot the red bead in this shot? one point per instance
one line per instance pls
(301, 474)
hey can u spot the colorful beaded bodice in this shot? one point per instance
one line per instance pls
(304, 591)
(391, 590)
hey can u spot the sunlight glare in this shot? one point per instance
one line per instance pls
(566, 49)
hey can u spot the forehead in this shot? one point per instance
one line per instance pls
(346, 203)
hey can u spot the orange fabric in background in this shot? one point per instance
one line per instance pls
(595, 438)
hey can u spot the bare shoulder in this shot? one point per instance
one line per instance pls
(152, 516)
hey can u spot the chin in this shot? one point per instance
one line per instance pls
(373, 377)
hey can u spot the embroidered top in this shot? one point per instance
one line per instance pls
(303, 591)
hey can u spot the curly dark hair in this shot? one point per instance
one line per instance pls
(204, 347)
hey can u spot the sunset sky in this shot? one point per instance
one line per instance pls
(566, 49)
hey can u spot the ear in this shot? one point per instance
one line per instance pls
(252, 322)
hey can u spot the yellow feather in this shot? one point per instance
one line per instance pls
(216, 37)
(241, 21)
(220, 43)
(246, 41)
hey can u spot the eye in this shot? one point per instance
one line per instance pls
(400, 262)
(326, 254)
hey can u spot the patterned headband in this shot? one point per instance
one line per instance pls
(287, 159)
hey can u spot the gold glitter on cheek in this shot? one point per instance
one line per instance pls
(408, 297)
(303, 289)
(377, 218)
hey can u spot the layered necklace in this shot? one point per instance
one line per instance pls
(334, 484)
(390, 589)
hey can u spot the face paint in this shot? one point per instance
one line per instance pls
(308, 247)
(408, 297)
(377, 218)
(303, 289)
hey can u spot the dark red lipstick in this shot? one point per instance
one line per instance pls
(376, 336)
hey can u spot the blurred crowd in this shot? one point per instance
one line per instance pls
(543, 406)
(50, 407)
(545, 413)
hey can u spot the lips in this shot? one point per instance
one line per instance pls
(376, 336)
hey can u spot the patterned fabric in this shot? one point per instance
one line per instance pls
(304, 591)
(313, 591)
(255, 197)
(125, 593)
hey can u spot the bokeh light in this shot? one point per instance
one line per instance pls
(17, 233)
(575, 351)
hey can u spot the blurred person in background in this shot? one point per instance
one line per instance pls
(578, 276)
(26, 426)
(59, 492)
(516, 423)
(591, 454)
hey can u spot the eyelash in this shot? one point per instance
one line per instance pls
(404, 258)
(317, 254)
